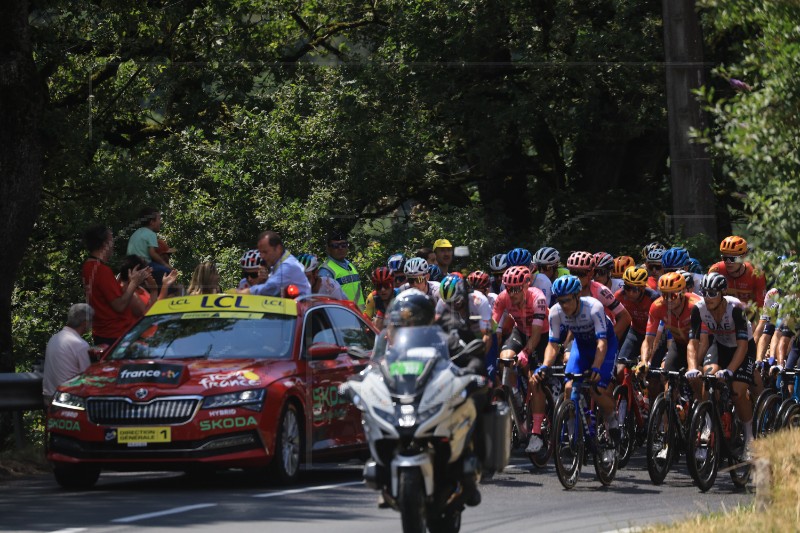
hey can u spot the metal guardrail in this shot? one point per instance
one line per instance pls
(20, 392)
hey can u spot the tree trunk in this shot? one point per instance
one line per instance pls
(690, 167)
(22, 97)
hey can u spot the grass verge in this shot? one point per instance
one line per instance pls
(783, 510)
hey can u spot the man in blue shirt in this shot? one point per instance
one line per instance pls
(285, 269)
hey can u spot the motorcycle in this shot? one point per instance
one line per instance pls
(419, 412)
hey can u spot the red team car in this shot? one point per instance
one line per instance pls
(216, 381)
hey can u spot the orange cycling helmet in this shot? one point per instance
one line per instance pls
(636, 276)
(621, 264)
(733, 245)
(671, 282)
(478, 280)
(516, 276)
(580, 261)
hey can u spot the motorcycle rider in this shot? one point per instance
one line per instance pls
(413, 308)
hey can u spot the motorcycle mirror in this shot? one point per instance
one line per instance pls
(474, 348)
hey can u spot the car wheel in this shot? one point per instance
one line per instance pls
(288, 446)
(76, 477)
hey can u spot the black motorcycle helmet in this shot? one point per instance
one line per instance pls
(410, 308)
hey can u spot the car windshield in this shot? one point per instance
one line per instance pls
(411, 355)
(215, 335)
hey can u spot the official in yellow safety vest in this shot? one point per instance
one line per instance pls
(339, 268)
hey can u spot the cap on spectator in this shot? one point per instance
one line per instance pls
(164, 248)
(442, 243)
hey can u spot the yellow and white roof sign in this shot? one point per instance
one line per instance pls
(243, 303)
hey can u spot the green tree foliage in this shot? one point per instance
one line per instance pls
(493, 123)
(757, 132)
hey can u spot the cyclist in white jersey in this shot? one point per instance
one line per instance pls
(418, 277)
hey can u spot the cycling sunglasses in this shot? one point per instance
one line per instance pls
(579, 273)
(251, 274)
(732, 258)
(416, 281)
(385, 286)
(672, 295)
(600, 272)
(710, 293)
(630, 288)
(514, 290)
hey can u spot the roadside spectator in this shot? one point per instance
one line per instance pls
(144, 242)
(337, 266)
(148, 293)
(285, 269)
(205, 279)
(444, 255)
(253, 270)
(103, 291)
(67, 353)
(326, 286)
(427, 254)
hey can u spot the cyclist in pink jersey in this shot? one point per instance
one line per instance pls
(528, 307)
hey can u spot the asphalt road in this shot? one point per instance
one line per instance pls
(332, 499)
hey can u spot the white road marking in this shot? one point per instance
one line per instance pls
(306, 489)
(176, 510)
(70, 530)
(625, 530)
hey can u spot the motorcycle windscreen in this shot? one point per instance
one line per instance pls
(411, 355)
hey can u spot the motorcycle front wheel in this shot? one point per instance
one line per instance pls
(411, 500)
(449, 522)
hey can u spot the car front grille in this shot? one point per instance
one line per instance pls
(126, 412)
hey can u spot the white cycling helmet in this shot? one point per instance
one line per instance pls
(498, 263)
(546, 256)
(416, 267)
(250, 260)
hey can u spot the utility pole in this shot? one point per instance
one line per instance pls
(693, 202)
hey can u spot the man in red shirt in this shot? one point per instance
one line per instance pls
(103, 292)
(745, 282)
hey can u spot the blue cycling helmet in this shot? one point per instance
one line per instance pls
(566, 285)
(519, 257)
(694, 266)
(396, 262)
(435, 272)
(676, 257)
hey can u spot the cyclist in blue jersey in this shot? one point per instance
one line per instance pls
(595, 348)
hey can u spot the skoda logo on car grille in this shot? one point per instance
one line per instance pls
(141, 394)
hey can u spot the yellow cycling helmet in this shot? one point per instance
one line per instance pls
(671, 282)
(636, 276)
(621, 264)
(733, 245)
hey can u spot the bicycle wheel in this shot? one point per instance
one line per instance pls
(660, 446)
(767, 414)
(785, 409)
(627, 430)
(791, 419)
(606, 458)
(541, 458)
(702, 448)
(568, 450)
(739, 465)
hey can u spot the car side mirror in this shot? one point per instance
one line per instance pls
(324, 351)
(97, 352)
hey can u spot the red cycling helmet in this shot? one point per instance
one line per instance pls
(478, 280)
(516, 276)
(580, 261)
(382, 276)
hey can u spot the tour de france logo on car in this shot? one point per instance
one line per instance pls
(239, 378)
(149, 373)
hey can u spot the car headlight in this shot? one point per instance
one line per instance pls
(249, 399)
(66, 400)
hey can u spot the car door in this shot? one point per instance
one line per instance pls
(352, 330)
(329, 411)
